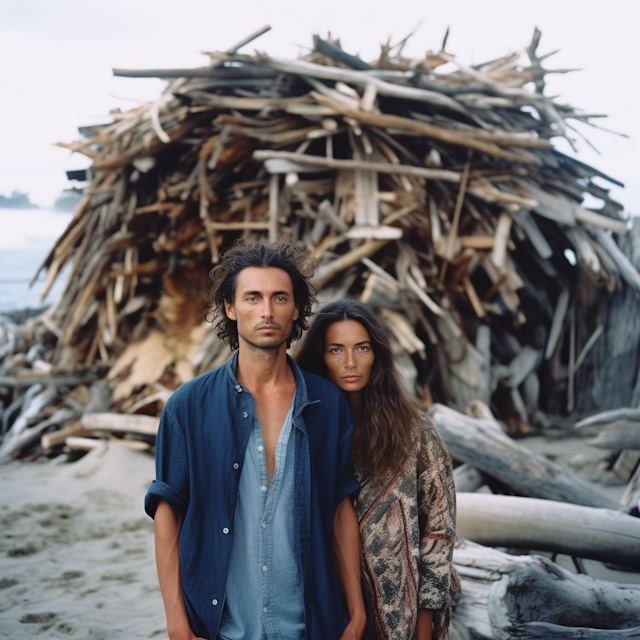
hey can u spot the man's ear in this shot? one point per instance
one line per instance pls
(230, 311)
(296, 313)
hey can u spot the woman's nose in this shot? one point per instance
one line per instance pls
(350, 361)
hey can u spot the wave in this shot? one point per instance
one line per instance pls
(31, 228)
(26, 237)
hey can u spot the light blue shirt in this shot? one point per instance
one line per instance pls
(264, 596)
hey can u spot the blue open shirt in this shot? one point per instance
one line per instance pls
(200, 450)
(265, 595)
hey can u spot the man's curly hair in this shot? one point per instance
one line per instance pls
(240, 256)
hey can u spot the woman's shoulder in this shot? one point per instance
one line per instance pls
(431, 445)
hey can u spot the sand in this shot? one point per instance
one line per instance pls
(76, 550)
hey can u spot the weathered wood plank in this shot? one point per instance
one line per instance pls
(121, 423)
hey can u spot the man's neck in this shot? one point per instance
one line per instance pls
(261, 368)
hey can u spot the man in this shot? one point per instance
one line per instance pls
(253, 476)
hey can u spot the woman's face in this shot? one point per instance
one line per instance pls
(348, 355)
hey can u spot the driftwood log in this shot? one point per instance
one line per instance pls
(631, 497)
(119, 423)
(468, 479)
(16, 441)
(79, 443)
(546, 525)
(502, 592)
(480, 444)
(546, 631)
(618, 435)
(608, 417)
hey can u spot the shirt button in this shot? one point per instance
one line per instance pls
(265, 610)
(238, 388)
(264, 525)
(260, 448)
(245, 415)
(225, 530)
(214, 602)
(263, 488)
(264, 567)
(236, 465)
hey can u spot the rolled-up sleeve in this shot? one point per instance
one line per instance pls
(439, 586)
(172, 470)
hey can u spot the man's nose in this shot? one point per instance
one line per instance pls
(266, 311)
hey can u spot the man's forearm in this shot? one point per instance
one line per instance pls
(167, 536)
(347, 559)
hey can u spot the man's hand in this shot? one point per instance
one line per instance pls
(346, 551)
(181, 632)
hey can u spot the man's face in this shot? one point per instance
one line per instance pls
(264, 308)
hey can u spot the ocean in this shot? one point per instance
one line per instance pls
(26, 236)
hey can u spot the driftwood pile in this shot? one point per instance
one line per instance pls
(425, 188)
(435, 196)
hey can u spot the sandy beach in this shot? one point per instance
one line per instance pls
(77, 548)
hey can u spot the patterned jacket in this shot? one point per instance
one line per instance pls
(407, 528)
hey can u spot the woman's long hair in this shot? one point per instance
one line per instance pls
(390, 417)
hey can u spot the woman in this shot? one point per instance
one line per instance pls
(406, 507)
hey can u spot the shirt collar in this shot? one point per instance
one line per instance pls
(301, 396)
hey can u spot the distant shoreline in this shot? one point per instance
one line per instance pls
(17, 200)
(66, 202)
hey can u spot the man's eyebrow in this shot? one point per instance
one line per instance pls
(284, 292)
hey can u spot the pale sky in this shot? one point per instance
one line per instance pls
(56, 59)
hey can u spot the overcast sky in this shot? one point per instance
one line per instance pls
(56, 59)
